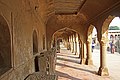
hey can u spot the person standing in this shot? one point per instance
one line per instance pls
(112, 47)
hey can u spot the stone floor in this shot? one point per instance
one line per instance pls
(113, 63)
(69, 68)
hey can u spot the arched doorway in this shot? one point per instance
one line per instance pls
(96, 48)
(69, 38)
(106, 58)
(93, 46)
(113, 32)
(35, 50)
(5, 46)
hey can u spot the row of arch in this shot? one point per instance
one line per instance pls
(102, 37)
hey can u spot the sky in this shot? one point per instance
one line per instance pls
(115, 22)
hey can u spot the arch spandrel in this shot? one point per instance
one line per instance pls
(105, 26)
(89, 34)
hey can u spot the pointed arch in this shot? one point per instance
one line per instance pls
(105, 27)
(5, 45)
(89, 33)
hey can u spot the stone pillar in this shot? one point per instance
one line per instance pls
(75, 44)
(73, 39)
(89, 60)
(80, 50)
(71, 43)
(82, 54)
(75, 48)
(103, 70)
(58, 46)
(67, 41)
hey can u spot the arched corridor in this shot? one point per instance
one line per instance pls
(32, 31)
(68, 66)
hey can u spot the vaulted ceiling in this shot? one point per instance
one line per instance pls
(86, 9)
(68, 6)
(79, 14)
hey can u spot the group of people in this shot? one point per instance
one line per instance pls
(112, 47)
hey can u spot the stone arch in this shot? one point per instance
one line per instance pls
(5, 46)
(53, 38)
(35, 50)
(35, 42)
(103, 70)
(89, 34)
(105, 26)
(63, 29)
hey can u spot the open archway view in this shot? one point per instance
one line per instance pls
(69, 57)
(55, 40)
(113, 48)
(95, 47)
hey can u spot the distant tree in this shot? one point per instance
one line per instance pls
(114, 28)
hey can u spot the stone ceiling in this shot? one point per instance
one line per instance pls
(68, 6)
(79, 14)
(86, 9)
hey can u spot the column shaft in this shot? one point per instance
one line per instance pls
(82, 54)
(103, 70)
(89, 60)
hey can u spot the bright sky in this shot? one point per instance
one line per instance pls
(115, 22)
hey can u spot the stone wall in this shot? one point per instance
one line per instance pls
(22, 19)
(46, 69)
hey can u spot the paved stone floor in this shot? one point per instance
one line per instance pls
(113, 63)
(69, 68)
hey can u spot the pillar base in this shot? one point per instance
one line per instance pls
(103, 71)
(72, 51)
(82, 61)
(89, 62)
(75, 53)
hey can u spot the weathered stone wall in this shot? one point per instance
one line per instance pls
(46, 69)
(22, 17)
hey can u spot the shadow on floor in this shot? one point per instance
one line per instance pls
(66, 76)
(64, 65)
(76, 57)
(74, 61)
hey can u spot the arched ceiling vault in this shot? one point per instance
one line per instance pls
(86, 10)
(79, 14)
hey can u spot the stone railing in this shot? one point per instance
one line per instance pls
(46, 62)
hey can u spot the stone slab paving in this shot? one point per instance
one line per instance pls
(68, 68)
(113, 63)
